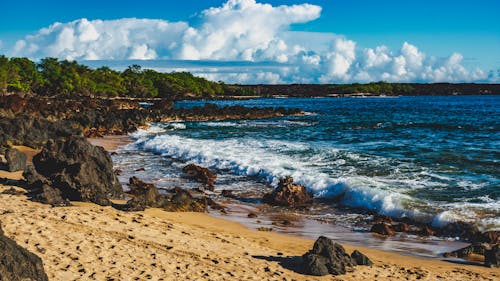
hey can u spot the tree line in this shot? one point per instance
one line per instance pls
(51, 77)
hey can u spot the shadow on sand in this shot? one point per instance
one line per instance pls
(293, 263)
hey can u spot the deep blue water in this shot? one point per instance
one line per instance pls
(431, 158)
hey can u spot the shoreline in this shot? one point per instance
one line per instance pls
(94, 242)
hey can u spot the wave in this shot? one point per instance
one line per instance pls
(327, 172)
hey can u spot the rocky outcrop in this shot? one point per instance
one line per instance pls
(201, 175)
(465, 252)
(492, 256)
(382, 228)
(16, 160)
(79, 170)
(288, 194)
(146, 195)
(328, 257)
(17, 263)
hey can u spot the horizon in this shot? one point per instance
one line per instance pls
(270, 42)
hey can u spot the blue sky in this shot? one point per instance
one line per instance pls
(437, 28)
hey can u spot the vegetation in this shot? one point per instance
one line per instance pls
(53, 77)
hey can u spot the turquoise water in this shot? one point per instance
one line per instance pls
(434, 159)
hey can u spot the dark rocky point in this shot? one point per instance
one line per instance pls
(17, 263)
(492, 256)
(288, 194)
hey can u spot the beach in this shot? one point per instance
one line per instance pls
(91, 242)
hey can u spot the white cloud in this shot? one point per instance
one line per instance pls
(246, 31)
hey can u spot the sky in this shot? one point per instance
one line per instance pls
(267, 41)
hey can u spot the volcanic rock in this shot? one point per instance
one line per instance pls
(201, 174)
(382, 229)
(17, 263)
(288, 194)
(326, 257)
(81, 171)
(492, 256)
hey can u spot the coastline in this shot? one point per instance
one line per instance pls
(94, 242)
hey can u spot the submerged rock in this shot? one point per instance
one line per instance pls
(288, 194)
(17, 263)
(201, 174)
(326, 257)
(16, 160)
(79, 170)
(382, 228)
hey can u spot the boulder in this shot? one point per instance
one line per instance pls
(492, 256)
(228, 193)
(146, 195)
(17, 263)
(81, 171)
(288, 194)
(326, 257)
(201, 174)
(360, 259)
(382, 229)
(16, 160)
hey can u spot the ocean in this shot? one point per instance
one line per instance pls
(434, 159)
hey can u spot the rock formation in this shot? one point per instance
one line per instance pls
(288, 194)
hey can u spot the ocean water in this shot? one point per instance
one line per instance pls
(434, 159)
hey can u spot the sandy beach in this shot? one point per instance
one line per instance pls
(90, 242)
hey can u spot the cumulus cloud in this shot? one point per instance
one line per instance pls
(247, 32)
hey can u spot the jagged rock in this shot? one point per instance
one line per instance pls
(201, 174)
(360, 259)
(48, 195)
(492, 256)
(16, 160)
(17, 263)
(288, 194)
(81, 171)
(146, 195)
(326, 257)
(382, 229)
(462, 253)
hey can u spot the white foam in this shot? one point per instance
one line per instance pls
(319, 171)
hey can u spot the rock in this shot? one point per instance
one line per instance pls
(146, 195)
(48, 195)
(477, 248)
(382, 229)
(401, 227)
(288, 194)
(16, 160)
(201, 174)
(17, 263)
(491, 237)
(326, 257)
(360, 259)
(228, 193)
(81, 171)
(427, 231)
(252, 215)
(492, 256)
